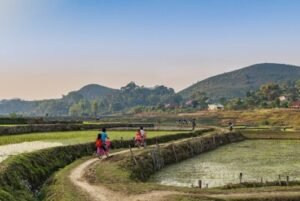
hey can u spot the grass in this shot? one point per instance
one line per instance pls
(12, 125)
(111, 175)
(114, 177)
(61, 187)
(269, 134)
(75, 137)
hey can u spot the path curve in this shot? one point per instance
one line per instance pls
(101, 193)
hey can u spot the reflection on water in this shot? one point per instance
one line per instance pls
(14, 149)
(256, 159)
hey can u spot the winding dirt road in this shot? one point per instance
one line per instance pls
(101, 193)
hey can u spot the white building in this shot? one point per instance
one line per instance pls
(282, 98)
(215, 107)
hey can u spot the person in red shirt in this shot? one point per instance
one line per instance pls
(138, 138)
(98, 145)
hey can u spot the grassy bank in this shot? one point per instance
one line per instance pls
(61, 187)
(22, 176)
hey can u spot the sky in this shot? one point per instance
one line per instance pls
(51, 47)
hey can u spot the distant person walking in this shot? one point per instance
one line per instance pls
(193, 124)
(143, 134)
(230, 126)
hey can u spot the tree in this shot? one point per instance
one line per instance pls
(95, 108)
(75, 110)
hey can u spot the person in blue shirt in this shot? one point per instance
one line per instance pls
(103, 135)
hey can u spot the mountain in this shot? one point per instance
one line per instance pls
(91, 92)
(238, 82)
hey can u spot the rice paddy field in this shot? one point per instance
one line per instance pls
(16, 144)
(256, 159)
(75, 137)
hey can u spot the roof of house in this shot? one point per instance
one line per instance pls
(295, 104)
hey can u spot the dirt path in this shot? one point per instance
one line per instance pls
(101, 193)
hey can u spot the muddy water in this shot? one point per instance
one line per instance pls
(14, 149)
(256, 159)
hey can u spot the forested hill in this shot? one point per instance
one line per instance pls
(93, 100)
(238, 82)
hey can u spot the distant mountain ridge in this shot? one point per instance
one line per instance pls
(97, 99)
(236, 83)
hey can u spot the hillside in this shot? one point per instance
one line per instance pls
(238, 82)
(92, 100)
(91, 92)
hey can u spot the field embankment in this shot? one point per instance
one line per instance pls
(145, 164)
(22, 176)
(271, 134)
(34, 128)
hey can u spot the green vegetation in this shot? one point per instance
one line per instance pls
(93, 100)
(237, 83)
(21, 176)
(75, 137)
(60, 187)
(268, 96)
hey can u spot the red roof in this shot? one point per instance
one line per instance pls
(295, 104)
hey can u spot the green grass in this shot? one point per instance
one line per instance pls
(75, 137)
(61, 187)
(12, 125)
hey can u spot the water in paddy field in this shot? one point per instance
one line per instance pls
(256, 159)
(14, 149)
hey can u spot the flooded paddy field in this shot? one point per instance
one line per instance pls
(256, 159)
(14, 149)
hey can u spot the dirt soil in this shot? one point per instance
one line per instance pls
(101, 193)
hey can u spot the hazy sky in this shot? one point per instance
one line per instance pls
(51, 47)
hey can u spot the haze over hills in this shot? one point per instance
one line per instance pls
(238, 82)
(99, 99)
